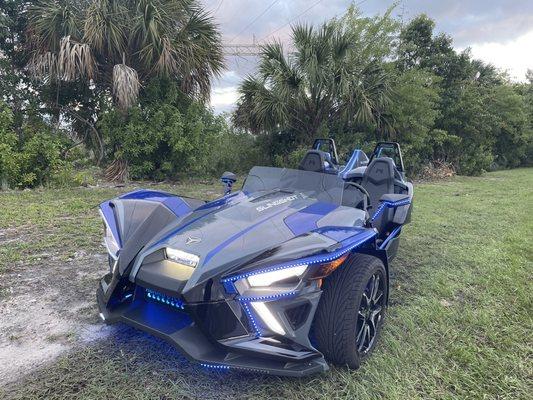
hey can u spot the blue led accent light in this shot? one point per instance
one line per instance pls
(266, 298)
(164, 299)
(348, 245)
(215, 366)
(395, 232)
(251, 318)
(389, 204)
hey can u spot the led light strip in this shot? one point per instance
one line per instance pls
(266, 298)
(389, 204)
(250, 315)
(309, 260)
(222, 367)
(215, 366)
(164, 299)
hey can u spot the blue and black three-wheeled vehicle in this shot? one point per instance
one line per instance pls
(283, 276)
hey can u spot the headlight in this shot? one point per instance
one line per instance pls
(181, 257)
(280, 280)
(268, 278)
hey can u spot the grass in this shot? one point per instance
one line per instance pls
(459, 325)
(37, 224)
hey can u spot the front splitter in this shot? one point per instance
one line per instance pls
(177, 329)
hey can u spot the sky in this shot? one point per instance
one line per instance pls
(499, 32)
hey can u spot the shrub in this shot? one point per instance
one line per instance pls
(168, 136)
(9, 165)
(32, 158)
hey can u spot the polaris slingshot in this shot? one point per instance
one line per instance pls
(280, 277)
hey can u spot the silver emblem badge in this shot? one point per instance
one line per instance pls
(192, 240)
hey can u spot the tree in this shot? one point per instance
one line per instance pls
(329, 76)
(87, 51)
(414, 110)
(120, 45)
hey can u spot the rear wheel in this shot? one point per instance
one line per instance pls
(351, 311)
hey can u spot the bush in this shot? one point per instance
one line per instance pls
(169, 136)
(9, 165)
(33, 158)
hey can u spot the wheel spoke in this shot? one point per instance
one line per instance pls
(378, 296)
(368, 335)
(363, 338)
(375, 288)
(360, 333)
(367, 300)
(371, 341)
(375, 317)
(370, 285)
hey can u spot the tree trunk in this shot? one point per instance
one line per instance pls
(117, 171)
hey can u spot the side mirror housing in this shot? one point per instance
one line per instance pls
(228, 179)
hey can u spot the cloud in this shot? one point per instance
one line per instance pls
(515, 56)
(224, 99)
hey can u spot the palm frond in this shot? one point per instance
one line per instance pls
(105, 27)
(42, 66)
(126, 86)
(75, 60)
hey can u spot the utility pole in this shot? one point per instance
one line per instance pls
(242, 49)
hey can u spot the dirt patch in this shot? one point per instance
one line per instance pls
(47, 308)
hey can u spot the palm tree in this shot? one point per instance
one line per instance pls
(120, 44)
(115, 46)
(324, 78)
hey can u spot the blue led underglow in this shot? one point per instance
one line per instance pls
(164, 299)
(215, 366)
(266, 298)
(389, 204)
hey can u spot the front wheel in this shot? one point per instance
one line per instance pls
(351, 311)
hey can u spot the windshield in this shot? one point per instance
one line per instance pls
(323, 187)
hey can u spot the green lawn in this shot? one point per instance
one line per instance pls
(459, 325)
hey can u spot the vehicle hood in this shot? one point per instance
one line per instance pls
(238, 227)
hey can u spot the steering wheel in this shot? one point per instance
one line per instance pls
(366, 198)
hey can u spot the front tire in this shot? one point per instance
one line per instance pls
(351, 311)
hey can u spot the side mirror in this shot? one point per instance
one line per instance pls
(228, 179)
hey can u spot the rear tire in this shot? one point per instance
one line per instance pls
(350, 314)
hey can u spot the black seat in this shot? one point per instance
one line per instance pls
(314, 160)
(378, 179)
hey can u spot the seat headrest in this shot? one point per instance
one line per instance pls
(380, 169)
(313, 161)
